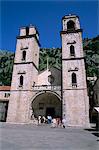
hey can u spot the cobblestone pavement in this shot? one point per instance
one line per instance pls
(29, 137)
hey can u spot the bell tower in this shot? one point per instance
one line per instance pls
(25, 73)
(74, 88)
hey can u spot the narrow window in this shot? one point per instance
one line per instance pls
(21, 80)
(27, 30)
(24, 55)
(70, 25)
(74, 80)
(72, 50)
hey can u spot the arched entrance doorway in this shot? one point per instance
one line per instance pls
(47, 103)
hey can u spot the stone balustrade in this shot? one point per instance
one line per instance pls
(46, 87)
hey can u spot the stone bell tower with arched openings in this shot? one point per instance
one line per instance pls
(74, 88)
(25, 73)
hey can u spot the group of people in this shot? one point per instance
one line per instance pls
(43, 119)
(54, 122)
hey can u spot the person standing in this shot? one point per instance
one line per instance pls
(39, 120)
(54, 123)
(49, 118)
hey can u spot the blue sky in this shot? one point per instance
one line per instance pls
(46, 16)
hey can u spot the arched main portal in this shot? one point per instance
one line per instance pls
(47, 104)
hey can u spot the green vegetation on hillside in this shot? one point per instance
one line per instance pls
(91, 51)
(54, 58)
(6, 66)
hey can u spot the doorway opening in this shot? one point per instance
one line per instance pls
(3, 110)
(50, 111)
(47, 104)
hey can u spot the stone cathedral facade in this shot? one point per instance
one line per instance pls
(60, 93)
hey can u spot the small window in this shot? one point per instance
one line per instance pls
(70, 25)
(21, 80)
(24, 55)
(74, 80)
(72, 50)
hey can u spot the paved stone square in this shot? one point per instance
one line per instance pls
(30, 137)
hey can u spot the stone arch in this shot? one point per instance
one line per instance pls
(48, 102)
(42, 92)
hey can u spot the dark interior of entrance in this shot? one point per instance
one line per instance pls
(50, 111)
(3, 110)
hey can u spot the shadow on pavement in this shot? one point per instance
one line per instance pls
(94, 131)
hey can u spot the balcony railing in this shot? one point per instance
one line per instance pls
(46, 87)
